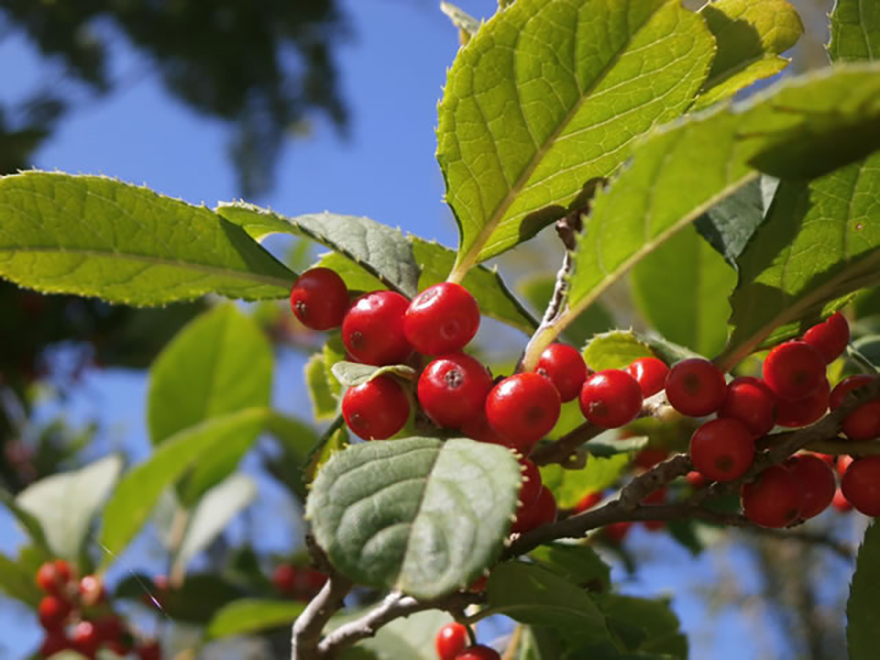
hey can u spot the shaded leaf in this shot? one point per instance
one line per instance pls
(196, 601)
(333, 440)
(729, 225)
(324, 403)
(655, 620)
(351, 374)
(570, 486)
(17, 581)
(250, 615)
(577, 564)
(29, 522)
(862, 609)
(411, 638)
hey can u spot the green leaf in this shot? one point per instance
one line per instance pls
(534, 595)
(657, 623)
(66, 504)
(538, 290)
(570, 486)
(196, 601)
(728, 226)
(578, 564)
(93, 236)
(30, 523)
(751, 36)
(418, 515)
(298, 440)
(227, 362)
(17, 581)
(139, 491)
(250, 615)
(351, 374)
(862, 611)
(333, 440)
(615, 350)
(681, 289)
(324, 403)
(855, 31)
(382, 251)
(551, 94)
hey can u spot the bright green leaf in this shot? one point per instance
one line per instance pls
(550, 94)
(250, 615)
(570, 486)
(863, 606)
(615, 350)
(17, 581)
(324, 403)
(351, 374)
(93, 236)
(578, 564)
(855, 31)
(418, 515)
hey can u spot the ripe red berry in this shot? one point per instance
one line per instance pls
(91, 590)
(478, 652)
(523, 408)
(750, 401)
(794, 370)
(616, 532)
(451, 640)
(847, 385)
(149, 650)
(53, 611)
(863, 423)
(377, 409)
(110, 628)
(774, 499)
(284, 578)
(588, 501)
(531, 483)
(649, 457)
(817, 482)
(695, 387)
(611, 399)
(722, 449)
(803, 412)
(54, 576)
(829, 338)
(85, 638)
(54, 642)
(478, 586)
(372, 329)
(441, 319)
(650, 373)
(566, 369)
(314, 581)
(542, 512)
(453, 389)
(861, 485)
(840, 503)
(481, 430)
(695, 479)
(319, 299)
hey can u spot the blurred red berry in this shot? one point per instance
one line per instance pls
(816, 479)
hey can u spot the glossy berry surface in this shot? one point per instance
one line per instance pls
(794, 370)
(566, 369)
(478, 652)
(775, 499)
(803, 412)
(452, 390)
(441, 319)
(695, 387)
(480, 429)
(611, 399)
(53, 611)
(650, 373)
(861, 485)
(722, 449)
(377, 409)
(542, 511)
(53, 576)
(830, 337)
(451, 640)
(751, 402)
(816, 479)
(372, 329)
(523, 408)
(847, 385)
(319, 299)
(863, 423)
(695, 479)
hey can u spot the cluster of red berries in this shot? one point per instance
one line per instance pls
(75, 615)
(297, 582)
(453, 643)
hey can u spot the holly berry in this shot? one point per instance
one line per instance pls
(751, 402)
(611, 399)
(110, 628)
(774, 499)
(565, 368)
(695, 387)
(478, 652)
(441, 319)
(284, 578)
(863, 423)
(847, 385)
(722, 449)
(616, 532)
(372, 329)
(696, 480)
(453, 389)
(149, 650)
(829, 338)
(53, 612)
(588, 501)
(319, 299)
(794, 370)
(54, 576)
(542, 511)
(523, 408)
(451, 640)
(480, 429)
(86, 639)
(816, 479)
(314, 581)
(650, 373)
(861, 485)
(649, 457)
(377, 409)
(54, 642)
(531, 484)
(803, 412)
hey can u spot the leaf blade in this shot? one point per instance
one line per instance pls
(862, 631)
(250, 615)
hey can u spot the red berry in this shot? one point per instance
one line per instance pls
(649, 457)
(774, 499)
(523, 408)
(722, 449)
(650, 373)
(372, 330)
(861, 485)
(611, 399)
(91, 590)
(616, 532)
(110, 628)
(817, 482)
(803, 412)
(863, 423)
(149, 650)
(481, 430)
(478, 652)
(478, 586)
(53, 612)
(531, 482)
(588, 501)
(566, 369)
(377, 409)
(453, 389)
(319, 299)
(794, 370)
(656, 496)
(284, 578)
(695, 479)
(86, 639)
(314, 581)
(54, 576)
(750, 401)
(451, 640)
(829, 338)
(847, 385)
(695, 387)
(843, 462)
(840, 502)
(441, 319)
(54, 642)
(542, 512)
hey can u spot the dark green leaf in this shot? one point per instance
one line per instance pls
(863, 606)
(578, 564)
(855, 31)
(728, 226)
(197, 601)
(655, 620)
(250, 615)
